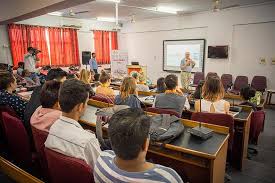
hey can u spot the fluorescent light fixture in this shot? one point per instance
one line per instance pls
(106, 19)
(114, 1)
(56, 13)
(165, 9)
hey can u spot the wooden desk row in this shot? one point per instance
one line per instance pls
(196, 160)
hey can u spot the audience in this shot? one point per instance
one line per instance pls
(141, 82)
(247, 93)
(34, 102)
(129, 135)
(212, 94)
(128, 94)
(49, 111)
(173, 97)
(103, 88)
(20, 68)
(161, 87)
(27, 77)
(66, 135)
(7, 86)
(86, 77)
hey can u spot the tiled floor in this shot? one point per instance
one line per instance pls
(261, 168)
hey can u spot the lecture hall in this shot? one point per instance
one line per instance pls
(138, 91)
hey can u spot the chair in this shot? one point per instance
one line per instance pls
(256, 126)
(240, 82)
(18, 140)
(65, 169)
(39, 138)
(198, 76)
(163, 111)
(103, 98)
(259, 83)
(5, 108)
(227, 81)
(217, 119)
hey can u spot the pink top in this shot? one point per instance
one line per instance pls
(43, 118)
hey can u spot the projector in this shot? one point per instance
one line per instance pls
(201, 132)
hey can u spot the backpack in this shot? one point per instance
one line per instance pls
(165, 128)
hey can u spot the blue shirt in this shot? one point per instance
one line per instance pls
(93, 64)
(132, 101)
(13, 101)
(187, 68)
(106, 171)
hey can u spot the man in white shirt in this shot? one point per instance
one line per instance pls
(30, 60)
(66, 135)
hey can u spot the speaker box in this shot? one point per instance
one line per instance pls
(86, 56)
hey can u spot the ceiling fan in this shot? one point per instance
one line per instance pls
(217, 6)
(71, 13)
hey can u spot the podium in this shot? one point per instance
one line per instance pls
(142, 70)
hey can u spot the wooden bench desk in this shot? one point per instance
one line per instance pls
(194, 159)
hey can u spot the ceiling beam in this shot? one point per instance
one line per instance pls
(51, 8)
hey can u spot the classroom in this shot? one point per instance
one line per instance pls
(104, 91)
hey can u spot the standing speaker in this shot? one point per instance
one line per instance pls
(86, 56)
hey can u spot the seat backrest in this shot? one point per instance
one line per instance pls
(18, 140)
(5, 108)
(256, 125)
(65, 169)
(103, 98)
(227, 81)
(39, 138)
(198, 76)
(259, 83)
(163, 111)
(240, 82)
(217, 119)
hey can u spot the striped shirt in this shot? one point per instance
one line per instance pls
(105, 170)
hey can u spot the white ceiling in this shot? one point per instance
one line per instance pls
(107, 9)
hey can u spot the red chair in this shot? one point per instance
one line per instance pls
(198, 76)
(163, 111)
(39, 138)
(256, 126)
(65, 169)
(240, 82)
(227, 81)
(5, 108)
(18, 140)
(217, 119)
(259, 83)
(103, 98)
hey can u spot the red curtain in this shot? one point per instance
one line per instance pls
(63, 47)
(37, 39)
(114, 45)
(18, 42)
(102, 46)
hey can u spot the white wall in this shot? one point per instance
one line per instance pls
(248, 43)
(5, 55)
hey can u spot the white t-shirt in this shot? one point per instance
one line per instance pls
(30, 62)
(219, 106)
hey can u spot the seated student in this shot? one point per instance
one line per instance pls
(20, 68)
(103, 88)
(49, 111)
(247, 93)
(27, 77)
(173, 97)
(129, 135)
(161, 87)
(128, 94)
(212, 94)
(86, 77)
(7, 86)
(54, 74)
(141, 83)
(66, 135)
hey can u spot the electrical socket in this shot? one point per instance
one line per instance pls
(273, 61)
(262, 61)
